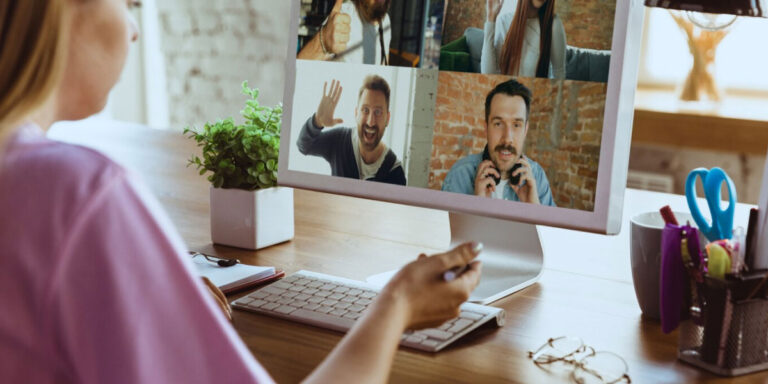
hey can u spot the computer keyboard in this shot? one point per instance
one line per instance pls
(336, 303)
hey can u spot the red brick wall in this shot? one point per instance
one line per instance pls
(567, 147)
(588, 23)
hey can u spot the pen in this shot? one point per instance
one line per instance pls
(455, 272)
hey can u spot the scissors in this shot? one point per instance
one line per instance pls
(722, 219)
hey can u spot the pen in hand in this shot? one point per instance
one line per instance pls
(455, 272)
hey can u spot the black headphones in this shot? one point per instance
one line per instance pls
(218, 260)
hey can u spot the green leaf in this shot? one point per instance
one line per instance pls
(240, 156)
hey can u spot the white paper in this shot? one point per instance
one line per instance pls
(221, 276)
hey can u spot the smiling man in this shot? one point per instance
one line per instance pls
(502, 171)
(354, 153)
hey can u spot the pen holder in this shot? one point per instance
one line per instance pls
(732, 337)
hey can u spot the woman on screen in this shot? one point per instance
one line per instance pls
(96, 284)
(529, 43)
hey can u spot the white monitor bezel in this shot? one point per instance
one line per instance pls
(612, 169)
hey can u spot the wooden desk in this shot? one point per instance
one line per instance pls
(585, 291)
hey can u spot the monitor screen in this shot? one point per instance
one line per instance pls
(520, 112)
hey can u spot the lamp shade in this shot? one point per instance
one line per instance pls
(755, 8)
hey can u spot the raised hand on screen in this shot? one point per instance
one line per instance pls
(492, 9)
(324, 117)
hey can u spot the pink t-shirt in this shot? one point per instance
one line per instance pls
(95, 286)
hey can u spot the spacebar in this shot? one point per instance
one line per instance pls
(323, 320)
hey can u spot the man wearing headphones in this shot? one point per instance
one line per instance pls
(356, 31)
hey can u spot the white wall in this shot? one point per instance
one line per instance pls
(310, 76)
(210, 47)
(140, 96)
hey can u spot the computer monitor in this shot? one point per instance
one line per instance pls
(428, 103)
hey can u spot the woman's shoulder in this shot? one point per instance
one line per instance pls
(58, 170)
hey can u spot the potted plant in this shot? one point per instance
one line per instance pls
(248, 209)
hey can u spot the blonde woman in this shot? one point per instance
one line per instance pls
(529, 43)
(95, 287)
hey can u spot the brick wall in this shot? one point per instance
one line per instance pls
(564, 132)
(210, 47)
(588, 23)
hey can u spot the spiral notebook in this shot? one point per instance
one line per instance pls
(236, 277)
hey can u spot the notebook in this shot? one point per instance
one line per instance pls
(236, 277)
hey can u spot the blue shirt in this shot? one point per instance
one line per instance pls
(461, 179)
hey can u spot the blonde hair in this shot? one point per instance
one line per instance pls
(32, 46)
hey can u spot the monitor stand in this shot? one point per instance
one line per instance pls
(512, 255)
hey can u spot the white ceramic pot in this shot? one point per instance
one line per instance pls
(251, 219)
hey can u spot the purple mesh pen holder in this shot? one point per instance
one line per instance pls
(731, 338)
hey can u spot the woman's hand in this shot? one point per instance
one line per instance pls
(422, 295)
(221, 300)
(492, 9)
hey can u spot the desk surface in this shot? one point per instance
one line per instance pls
(586, 289)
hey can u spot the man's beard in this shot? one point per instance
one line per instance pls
(511, 149)
(372, 12)
(374, 135)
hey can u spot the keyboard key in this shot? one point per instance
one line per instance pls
(315, 299)
(471, 315)
(302, 296)
(302, 282)
(285, 301)
(459, 325)
(310, 291)
(355, 308)
(273, 298)
(363, 302)
(315, 284)
(281, 285)
(352, 315)
(416, 338)
(285, 309)
(299, 303)
(290, 294)
(329, 287)
(329, 303)
(338, 312)
(436, 334)
(297, 288)
(368, 295)
(324, 309)
(430, 343)
(342, 305)
(327, 321)
(446, 325)
(272, 290)
(270, 306)
(323, 293)
(257, 303)
(259, 295)
(243, 300)
(336, 296)
(340, 289)
(311, 306)
(349, 299)
(354, 292)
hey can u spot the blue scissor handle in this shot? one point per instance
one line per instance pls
(722, 220)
